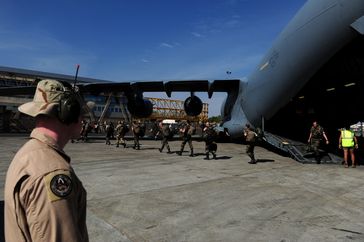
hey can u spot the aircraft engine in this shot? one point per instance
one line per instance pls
(193, 106)
(140, 108)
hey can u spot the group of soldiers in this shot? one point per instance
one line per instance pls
(121, 129)
(186, 131)
(164, 130)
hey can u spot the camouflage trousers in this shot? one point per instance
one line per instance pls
(315, 146)
(120, 141)
(165, 143)
(210, 147)
(250, 151)
(189, 141)
(136, 142)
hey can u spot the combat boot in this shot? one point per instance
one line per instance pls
(252, 162)
(181, 151)
(214, 156)
(191, 155)
(207, 156)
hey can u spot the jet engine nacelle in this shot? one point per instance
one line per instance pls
(140, 108)
(193, 106)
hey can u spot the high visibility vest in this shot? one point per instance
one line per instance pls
(347, 138)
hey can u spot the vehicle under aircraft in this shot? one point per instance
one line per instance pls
(313, 71)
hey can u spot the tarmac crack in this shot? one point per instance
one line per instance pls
(349, 231)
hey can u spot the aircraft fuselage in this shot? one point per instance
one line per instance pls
(311, 38)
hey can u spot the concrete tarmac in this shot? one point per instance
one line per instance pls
(145, 195)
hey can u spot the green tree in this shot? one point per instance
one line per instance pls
(215, 119)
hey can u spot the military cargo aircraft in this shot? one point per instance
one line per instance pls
(314, 70)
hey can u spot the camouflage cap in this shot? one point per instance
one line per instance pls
(46, 99)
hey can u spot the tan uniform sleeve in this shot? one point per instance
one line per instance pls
(54, 207)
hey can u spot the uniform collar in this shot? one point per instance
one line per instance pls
(50, 142)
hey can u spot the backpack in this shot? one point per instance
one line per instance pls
(259, 135)
(250, 136)
(141, 129)
(210, 135)
(125, 129)
(166, 131)
(191, 130)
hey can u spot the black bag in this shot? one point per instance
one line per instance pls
(141, 131)
(125, 129)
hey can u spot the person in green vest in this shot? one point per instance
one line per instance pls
(347, 142)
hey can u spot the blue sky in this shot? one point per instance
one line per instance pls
(143, 39)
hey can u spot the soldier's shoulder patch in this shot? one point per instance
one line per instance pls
(59, 185)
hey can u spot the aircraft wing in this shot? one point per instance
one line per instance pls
(24, 83)
(14, 91)
(126, 87)
(168, 86)
(140, 107)
(97, 86)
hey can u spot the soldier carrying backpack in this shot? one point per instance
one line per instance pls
(121, 130)
(166, 134)
(210, 138)
(187, 131)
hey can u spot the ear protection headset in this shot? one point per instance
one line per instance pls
(69, 108)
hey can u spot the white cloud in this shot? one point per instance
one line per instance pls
(232, 23)
(166, 45)
(198, 35)
(145, 60)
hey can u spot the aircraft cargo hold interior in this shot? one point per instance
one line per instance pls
(334, 97)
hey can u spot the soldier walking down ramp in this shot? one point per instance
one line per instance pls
(166, 134)
(187, 130)
(250, 138)
(317, 134)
